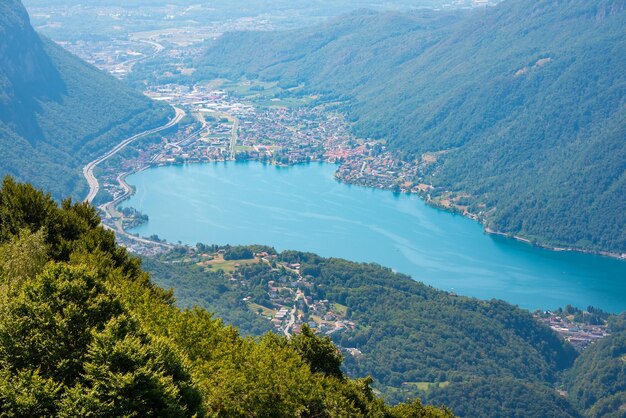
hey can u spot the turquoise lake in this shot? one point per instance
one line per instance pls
(304, 208)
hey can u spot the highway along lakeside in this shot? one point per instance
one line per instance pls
(108, 208)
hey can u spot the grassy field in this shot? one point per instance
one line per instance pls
(228, 266)
(251, 88)
(283, 102)
(413, 389)
(426, 386)
(263, 94)
(254, 307)
(339, 308)
(243, 148)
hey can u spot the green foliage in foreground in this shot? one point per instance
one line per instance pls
(85, 333)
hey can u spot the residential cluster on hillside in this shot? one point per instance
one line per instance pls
(381, 170)
(293, 301)
(580, 335)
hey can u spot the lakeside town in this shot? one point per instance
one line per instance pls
(221, 126)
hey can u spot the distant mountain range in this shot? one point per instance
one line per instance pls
(525, 103)
(57, 112)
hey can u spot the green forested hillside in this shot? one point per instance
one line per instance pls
(84, 332)
(597, 382)
(527, 101)
(57, 112)
(499, 397)
(412, 333)
(414, 340)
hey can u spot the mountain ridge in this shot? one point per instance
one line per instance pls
(56, 111)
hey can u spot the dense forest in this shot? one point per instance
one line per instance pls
(57, 112)
(498, 397)
(597, 382)
(523, 104)
(86, 333)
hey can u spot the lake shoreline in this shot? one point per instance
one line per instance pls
(538, 244)
(425, 199)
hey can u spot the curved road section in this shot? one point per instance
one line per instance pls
(94, 186)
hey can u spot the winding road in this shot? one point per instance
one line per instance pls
(88, 170)
(94, 186)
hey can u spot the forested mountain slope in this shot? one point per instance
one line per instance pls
(484, 358)
(57, 112)
(597, 382)
(526, 102)
(503, 397)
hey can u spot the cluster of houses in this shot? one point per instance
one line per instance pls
(279, 135)
(294, 304)
(294, 135)
(381, 171)
(580, 335)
